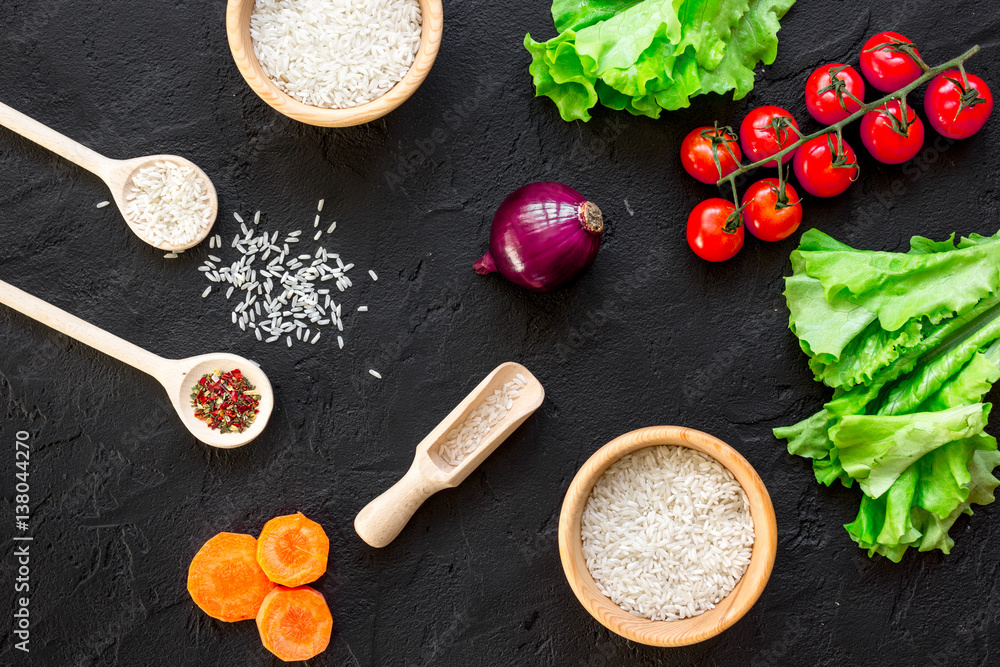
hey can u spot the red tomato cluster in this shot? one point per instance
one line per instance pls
(957, 106)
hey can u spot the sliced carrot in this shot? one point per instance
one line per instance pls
(295, 623)
(292, 550)
(225, 580)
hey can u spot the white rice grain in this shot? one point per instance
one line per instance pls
(169, 203)
(335, 54)
(667, 533)
(467, 436)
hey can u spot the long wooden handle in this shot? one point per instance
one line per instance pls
(85, 332)
(382, 519)
(43, 135)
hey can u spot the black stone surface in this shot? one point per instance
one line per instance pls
(122, 496)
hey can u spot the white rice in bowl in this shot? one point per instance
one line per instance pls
(335, 54)
(667, 533)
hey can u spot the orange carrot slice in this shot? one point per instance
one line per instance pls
(225, 580)
(295, 623)
(292, 550)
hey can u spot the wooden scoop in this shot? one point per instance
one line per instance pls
(117, 174)
(176, 376)
(382, 519)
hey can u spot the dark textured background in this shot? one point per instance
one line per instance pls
(123, 496)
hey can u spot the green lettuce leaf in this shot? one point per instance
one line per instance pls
(846, 342)
(910, 342)
(920, 245)
(754, 40)
(971, 384)
(577, 14)
(885, 525)
(824, 329)
(898, 520)
(870, 351)
(944, 475)
(809, 437)
(939, 365)
(875, 450)
(617, 43)
(899, 287)
(560, 74)
(645, 56)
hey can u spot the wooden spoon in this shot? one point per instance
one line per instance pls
(176, 376)
(117, 174)
(382, 519)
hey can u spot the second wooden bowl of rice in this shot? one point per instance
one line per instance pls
(667, 536)
(334, 63)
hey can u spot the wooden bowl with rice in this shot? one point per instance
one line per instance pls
(331, 113)
(621, 456)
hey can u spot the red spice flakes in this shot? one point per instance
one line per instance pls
(225, 401)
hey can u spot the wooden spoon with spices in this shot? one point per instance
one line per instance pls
(178, 376)
(117, 174)
(382, 519)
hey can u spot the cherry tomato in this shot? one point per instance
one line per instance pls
(885, 67)
(814, 167)
(883, 134)
(954, 110)
(706, 230)
(758, 137)
(829, 90)
(764, 218)
(697, 148)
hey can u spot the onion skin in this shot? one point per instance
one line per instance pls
(544, 235)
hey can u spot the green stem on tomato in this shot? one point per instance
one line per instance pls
(965, 77)
(929, 73)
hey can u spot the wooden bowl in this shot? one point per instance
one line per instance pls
(689, 630)
(241, 44)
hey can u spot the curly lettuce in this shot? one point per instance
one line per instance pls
(644, 56)
(910, 343)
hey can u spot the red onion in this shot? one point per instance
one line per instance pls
(544, 235)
